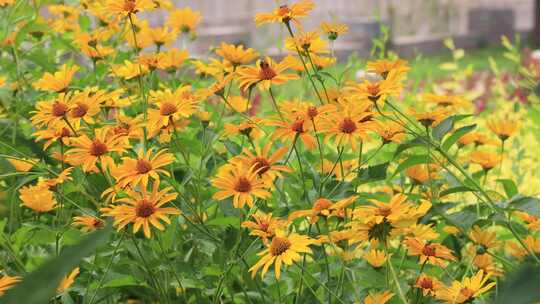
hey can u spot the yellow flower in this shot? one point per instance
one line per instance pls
(375, 258)
(485, 238)
(129, 70)
(431, 118)
(325, 208)
(67, 281)
(488, 160)
(161, 35)
(428, 285)
(7, 282)
(348, 125)
(240, 182)
(283, 250)
(38, 197)
(285, 14)
(422, 173)
(127, 7)
(432, 253)
(172, 58)
(167, 107)
(57, 82)
(87, 152)
(236, 54)
(307, 43)
(390, 131)
(184, 20)
(384, 67)
(146, 166)
(377, 91)
(503, 128)
(449, 101)
(87, 223)
(265, 73)
(237, 103)
(23, 164)
(378, 298)
(334, 29)
(466, 290)
(91, 43)
(143, 209)
(6, 2)
(294, 127)
(264, 225)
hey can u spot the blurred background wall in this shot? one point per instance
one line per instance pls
(416, 25)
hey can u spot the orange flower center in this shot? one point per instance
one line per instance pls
(97, 223)
(426, 283)
(98, 148)
(262, 165)
(167, 109)
(298, 126)
(429, 250)
(322, 204)
(144, 209)
(347, 125)
(266, 72)
(242, 185)
(80, 110)
(264, 226)
(279, 245)
(129, 6)
(143, 166)
(121, 130)
(312, 112)
(374, 89)
(467, 292)
(383, 211)
(64, 132)
(59, 109)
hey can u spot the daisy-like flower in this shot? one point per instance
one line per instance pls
(172, 58)
(378, 91)
(325, 208)
(38, 197)
(264, 225)
(503, 128)
(184, 20)
(4, 3)
(236, 54)
(251, 128)
(264, 163)
(143, 209)
(88, 223)
(294, 127)
(240, 182)
(488, 160)
(447, 101)
(135, 171)
(265, 73)
(390, 131)
(286, 14)
(334, 29)
(130, 127)
(168, 107)
(283, 250)
(375, 258)
(92, 44)
(23, 164)
(379, 298)
(7, 282)
(83, 106)
(67, 281)
(57, 82)
(51, 112)
(127, 7)
(129, 70)
(349, 125)
(383, 67)
(88, 152)
(431, 118)
(161, 35)
(485, 238)
(466, 290)
(432, 253)
(421, 173)
(428, 285)
(479, 139)
(307, 43)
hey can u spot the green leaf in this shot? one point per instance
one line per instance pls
(458, 189)
(232, 147)
(417, 142)
(125, 280)
(464, 218)
(509, 186)
(456, 135)
(443, 128)
(527, 204)
(372, 173)
(224, 221)
(522, 287)
(40, 285)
